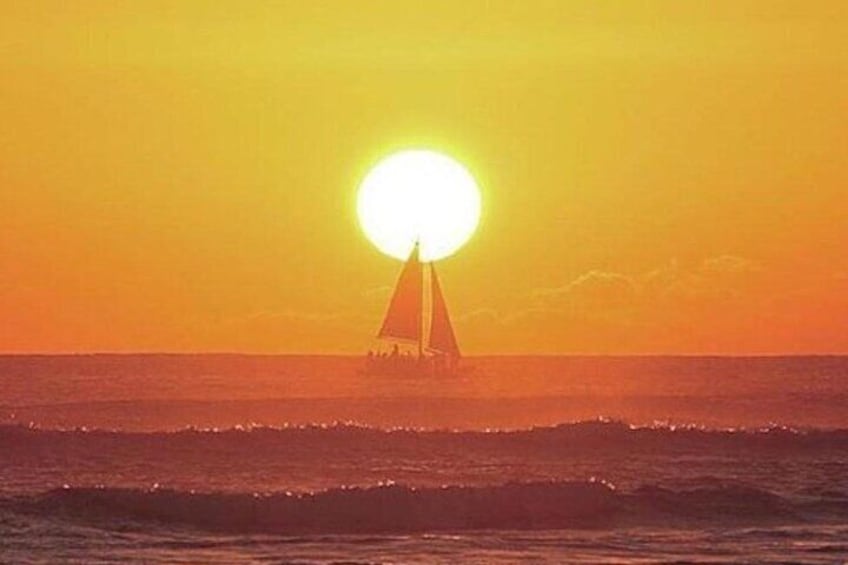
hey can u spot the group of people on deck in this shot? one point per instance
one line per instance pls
(406, 362)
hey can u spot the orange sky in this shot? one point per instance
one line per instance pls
(180, 176)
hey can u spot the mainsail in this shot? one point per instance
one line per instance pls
(403, 318)
(442, 337)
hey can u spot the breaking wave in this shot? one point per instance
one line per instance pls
(595, 433)
(389, 508)
(398, 509)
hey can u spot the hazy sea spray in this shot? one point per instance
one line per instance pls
(155, 392)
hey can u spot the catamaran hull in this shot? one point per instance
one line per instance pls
(382, 368)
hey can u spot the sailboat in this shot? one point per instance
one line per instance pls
(417, 317)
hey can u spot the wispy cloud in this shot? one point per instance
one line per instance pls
(663, 308)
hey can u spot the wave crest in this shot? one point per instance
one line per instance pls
(596, 433)
(397, 509)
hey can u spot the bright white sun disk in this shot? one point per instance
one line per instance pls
(418, 195)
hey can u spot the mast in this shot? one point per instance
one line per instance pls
(420, 320)
(421, 316)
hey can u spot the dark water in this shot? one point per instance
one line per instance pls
(136, 485)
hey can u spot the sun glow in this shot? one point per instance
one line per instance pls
(418, 195)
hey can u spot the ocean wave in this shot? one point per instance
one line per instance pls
(595, 433)
(397, 509)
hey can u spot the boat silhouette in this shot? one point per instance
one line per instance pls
(417, 326)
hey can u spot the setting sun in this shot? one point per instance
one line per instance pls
(419, 195)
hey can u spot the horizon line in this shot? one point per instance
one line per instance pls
(225, 353)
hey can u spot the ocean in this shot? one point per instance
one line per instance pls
(278, 459)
